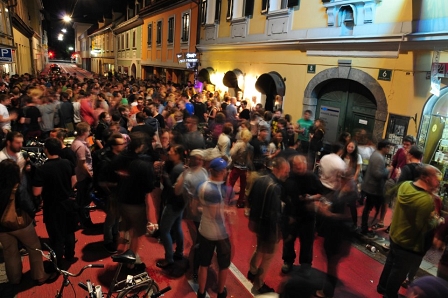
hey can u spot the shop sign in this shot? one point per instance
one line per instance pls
(442, 69)
(311, 68)
(5, 55)
(385, 74)
(190, 59)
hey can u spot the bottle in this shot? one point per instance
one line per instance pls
(371, 248)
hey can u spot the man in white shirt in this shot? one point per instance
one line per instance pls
(5, 117)
(332, 167)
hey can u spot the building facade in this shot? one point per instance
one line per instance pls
(128, 42)
(102, 51)
(7, 64)
(359, 65)
(169, 35)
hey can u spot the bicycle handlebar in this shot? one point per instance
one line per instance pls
(52, 257)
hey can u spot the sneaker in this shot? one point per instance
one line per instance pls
(223, 294)
(250, 276)
(287, 267)
(265, 289)
(368, 234)
(110, 248)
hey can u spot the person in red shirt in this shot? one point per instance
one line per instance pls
(87, 112)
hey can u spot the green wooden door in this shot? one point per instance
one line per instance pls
(345, 105)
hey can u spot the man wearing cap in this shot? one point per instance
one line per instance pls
(373, 183)
(212, 229)
(414, 218)
(265, 214)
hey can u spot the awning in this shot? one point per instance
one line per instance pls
(271, 83)
(204, 75)
(231, 79)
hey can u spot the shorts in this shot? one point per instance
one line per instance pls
(133, 217)
(207, 248)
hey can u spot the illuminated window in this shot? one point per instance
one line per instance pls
(185, 27)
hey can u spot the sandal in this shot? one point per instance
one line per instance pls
(377, 226)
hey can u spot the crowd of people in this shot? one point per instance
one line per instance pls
(185, 150)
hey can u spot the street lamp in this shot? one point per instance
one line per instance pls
(67, 19)
(70, 48)
(60, 36)
(64, 30)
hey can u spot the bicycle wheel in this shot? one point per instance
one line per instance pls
(140, 291)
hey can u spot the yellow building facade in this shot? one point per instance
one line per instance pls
(169, 33)
(355, 64)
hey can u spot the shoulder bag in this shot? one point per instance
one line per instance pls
(12, 218)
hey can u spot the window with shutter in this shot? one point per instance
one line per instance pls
(249, 8)
(229, 10)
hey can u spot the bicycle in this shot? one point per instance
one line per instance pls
(137, 286)
(51, 256)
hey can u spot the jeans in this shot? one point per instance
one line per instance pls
(398, 263)
(234, 175)
(171, 220)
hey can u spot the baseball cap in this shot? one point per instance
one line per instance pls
(197, 152)
(218, 164)
(431, 286)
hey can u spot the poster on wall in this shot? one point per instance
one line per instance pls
(331, 117)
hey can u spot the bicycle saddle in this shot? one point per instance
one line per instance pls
(128, 257)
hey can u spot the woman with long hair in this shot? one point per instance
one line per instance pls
(353, 161)
(9, 180)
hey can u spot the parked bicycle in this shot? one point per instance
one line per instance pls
(137, 286)
(65, 274)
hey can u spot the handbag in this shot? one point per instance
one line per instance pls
(12, 218)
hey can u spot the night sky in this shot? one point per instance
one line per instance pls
(86, 11)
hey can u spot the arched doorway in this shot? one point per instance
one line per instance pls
(348, 98)
(234, 80)
(133, 70)
(270, 84)
(345, 105)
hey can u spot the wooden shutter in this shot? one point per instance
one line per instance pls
(264, 6)
(292, 3)
(249, 8)
(229, 10)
